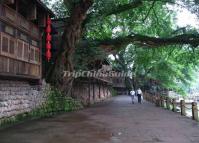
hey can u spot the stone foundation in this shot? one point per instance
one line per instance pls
(18, 97)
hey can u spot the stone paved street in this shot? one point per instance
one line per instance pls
(117, 121)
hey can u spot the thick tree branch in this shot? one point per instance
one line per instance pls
(122, 8)
(146, 41)
(116, 10)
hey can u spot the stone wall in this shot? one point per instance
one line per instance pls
(18, 97)
(91, 91)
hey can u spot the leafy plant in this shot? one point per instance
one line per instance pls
(56, 103)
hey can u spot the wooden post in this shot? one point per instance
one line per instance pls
(167, 103)
(174, 105)
(158, 101)
(154, 99)
(194, 111)
(162, 101)
(182, 106)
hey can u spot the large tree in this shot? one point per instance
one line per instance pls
(114, 24)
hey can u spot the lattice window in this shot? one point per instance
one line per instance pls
(35, 31)
(8, 45)
(26, 52)
(5, 44)
(19, 49)
(17, 57)
(12, 46)
(37, 55)
(32, 54)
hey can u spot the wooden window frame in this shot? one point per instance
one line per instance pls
(7, 54)
(23, 58)
(35, 49)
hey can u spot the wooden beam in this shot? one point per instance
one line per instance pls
(32, 12)
(9, 1)
(42, 18)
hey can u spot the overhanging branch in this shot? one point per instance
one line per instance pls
(145, 41)
(116, 10)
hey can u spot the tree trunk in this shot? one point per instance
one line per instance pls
(71, 36)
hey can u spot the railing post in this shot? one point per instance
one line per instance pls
(167, 103)
(160, 101)
(194, 111)
(157, 101)
(182, 106)
(155, 98)
(174, 105)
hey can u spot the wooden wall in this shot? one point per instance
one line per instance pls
(90, 91)
(20, 50)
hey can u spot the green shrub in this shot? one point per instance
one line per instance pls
(113, 92)
(56, 103)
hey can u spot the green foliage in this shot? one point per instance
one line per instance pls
(85, 58)
(173, 67)
(113, 92)
(57, 6)
(60, 9)
(156, 21)
(56, 103)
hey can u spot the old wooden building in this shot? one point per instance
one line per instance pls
(22, 37)
(22, 25)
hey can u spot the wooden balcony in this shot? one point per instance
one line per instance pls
(18, 58)
(16, 20)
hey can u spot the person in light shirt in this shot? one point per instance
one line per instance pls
(132, 95)
(139, 95)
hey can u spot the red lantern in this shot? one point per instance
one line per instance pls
(49, 22)
(48, 46)
(48, 29)
(48, 39)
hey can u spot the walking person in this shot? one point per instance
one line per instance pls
(132, 93)
(139, 95)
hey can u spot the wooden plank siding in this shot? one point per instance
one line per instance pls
(20, 45)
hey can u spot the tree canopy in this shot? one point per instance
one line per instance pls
(141, 34)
